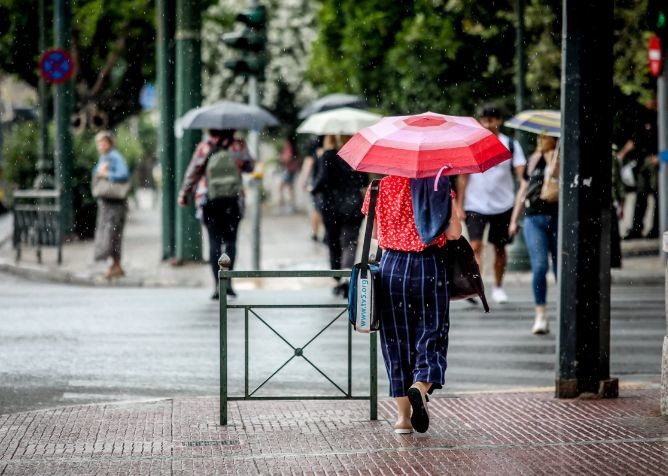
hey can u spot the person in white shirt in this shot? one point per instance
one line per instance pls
(488, 198)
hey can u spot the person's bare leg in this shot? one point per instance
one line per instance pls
(403, 414)
(477, 251)
(423, 387)
(117, 266)
(500, 260)
(315, 224)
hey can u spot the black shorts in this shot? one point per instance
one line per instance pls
(498, 227)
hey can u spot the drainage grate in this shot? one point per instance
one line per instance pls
(212, 443)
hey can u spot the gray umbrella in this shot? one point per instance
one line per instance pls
(332, 101)
(226, 115)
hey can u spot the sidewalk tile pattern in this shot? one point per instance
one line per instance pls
(528, 433)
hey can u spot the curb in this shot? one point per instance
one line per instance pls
(37, 273)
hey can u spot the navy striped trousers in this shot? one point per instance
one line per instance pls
(415, 319)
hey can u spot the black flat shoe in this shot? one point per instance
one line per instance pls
(215, 296)
(420, 415)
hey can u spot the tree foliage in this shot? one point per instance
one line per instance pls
(451, 55)
(410, 56)
(113, 46)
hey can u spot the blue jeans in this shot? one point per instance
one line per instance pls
(540, 234)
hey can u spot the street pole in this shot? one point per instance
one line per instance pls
(63, 103)
(165, 65)
(518, 255)
(662, 120)
(254, 145)
(44, 178)
(188, 242)
(662, 106)
(583, 308)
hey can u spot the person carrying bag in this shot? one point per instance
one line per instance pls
(414, 304)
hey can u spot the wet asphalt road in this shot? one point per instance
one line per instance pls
(63, 345)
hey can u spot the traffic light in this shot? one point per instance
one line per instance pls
(251, 43)
(657, 19)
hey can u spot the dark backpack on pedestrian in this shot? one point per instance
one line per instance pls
(222, 175)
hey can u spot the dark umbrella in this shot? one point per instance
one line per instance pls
(226, 115)
(332, 101)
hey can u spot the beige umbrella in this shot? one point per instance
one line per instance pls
(344, 120)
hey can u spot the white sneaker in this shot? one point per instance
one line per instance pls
(499, 296)
(540, 325)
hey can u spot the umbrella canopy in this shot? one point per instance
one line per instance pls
(537, 121)
(424, 145)
(332, 101)
(344, 120)
(226, 115)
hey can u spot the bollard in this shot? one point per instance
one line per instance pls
(224, 264)
(664, 358)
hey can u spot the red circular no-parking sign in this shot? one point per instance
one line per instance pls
(56, 65)
(655, 56)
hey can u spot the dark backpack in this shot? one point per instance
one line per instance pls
(222, 175)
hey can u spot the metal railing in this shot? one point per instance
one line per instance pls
(250, 311)
(37, 221)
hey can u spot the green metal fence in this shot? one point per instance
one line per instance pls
(251, 311)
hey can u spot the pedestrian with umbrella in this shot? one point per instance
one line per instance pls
(338, 188)
(214, 174)
(414, 217)
(540, 210)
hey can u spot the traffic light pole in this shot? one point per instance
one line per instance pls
(662, 106)
(254, 145)
(188, 239)
(583, 344)
(518, 255)
(63, 112)
(165, 10)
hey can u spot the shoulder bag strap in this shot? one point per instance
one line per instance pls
(511, 149)
(369, 227)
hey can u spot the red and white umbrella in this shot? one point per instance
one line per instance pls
(424, 145)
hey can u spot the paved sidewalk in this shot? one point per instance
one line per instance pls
(499, 434)
(285, 244)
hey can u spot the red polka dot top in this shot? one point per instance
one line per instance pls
(394, 216)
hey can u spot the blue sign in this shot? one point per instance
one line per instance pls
(56, 65)
(147, 97)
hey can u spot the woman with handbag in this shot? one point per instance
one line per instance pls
(537, 197)
(110, 187)
(415, 307)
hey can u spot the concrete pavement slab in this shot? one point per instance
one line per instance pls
(496, 433)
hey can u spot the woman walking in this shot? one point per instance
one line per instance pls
(415, 308)
(540, 226)
(340, 192)
(111, 207)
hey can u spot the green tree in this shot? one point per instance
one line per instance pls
(451, 55)
(410, 56)
(113, 45)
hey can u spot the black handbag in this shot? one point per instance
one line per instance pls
(463, 272)
(364, 293)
